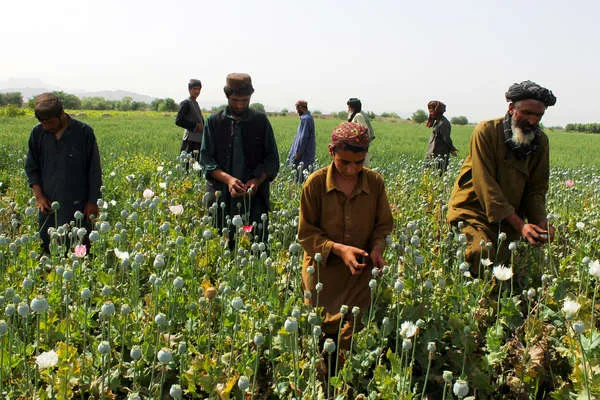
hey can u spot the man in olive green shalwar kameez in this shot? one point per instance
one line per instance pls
(503, 182)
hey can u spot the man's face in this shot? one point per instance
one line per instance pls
(348, 163)
(300, 109)
(52, 125)
(431, 111)
(195, 92)
(238, 104)
(527, 114)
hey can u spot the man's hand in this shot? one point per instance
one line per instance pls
(253, 184)
(535, 234)
(199, 127)
(377, 257)
(42, 201)
(90, 209)
(454, 153)
(353, 257)
(236, 187)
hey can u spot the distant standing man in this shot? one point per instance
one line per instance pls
(62, 165)
(303, 149)
(503, 182)
(440, 144)
(190, 118)
(358, 116)
(240, 158)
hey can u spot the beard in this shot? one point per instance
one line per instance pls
(521, 136)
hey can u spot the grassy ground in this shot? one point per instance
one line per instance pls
(155, 134)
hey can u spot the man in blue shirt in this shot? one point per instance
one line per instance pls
(302, 154)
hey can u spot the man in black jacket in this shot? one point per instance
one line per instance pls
(239, 156)
(62, 166)
(190, 118)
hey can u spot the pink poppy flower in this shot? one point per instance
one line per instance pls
(247, 228)
(569, 183)
(80, 251)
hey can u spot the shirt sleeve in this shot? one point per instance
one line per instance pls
(95, 170)
(208, 150)
(537, 188)
(384, 222)
(32, 162)
(184, 109)
(444, 135)
(311, 237)
(270, 163)
(484, 170)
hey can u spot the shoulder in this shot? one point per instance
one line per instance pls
(316, 180)
(217, 116)
(81, 126)
(544, 139)
(488, 128)
(256, 115)
(184, 102)
(374, 177)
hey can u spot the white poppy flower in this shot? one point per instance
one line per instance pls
(570, 307)
(408, 329)
(594, 269)
(502, 273)
(47, 359)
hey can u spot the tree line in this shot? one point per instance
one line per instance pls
(72, 102)
(590, 128)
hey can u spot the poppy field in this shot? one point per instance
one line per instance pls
(160, 307)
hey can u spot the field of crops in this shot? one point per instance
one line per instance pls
(161, 308)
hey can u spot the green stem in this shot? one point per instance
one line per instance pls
(426, 377)
(587, 385)
(498, 306)
(593, 308)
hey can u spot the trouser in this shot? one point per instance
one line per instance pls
(482, 242)
(251, 209)
(64, 215)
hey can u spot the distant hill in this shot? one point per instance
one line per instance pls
(32, 87)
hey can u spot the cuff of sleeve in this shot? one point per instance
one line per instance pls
(326, 248)
(500, 214)
(258, 171)
(378, 242)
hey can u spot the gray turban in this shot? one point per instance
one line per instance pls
(530, 90)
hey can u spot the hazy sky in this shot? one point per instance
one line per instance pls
(393, 55)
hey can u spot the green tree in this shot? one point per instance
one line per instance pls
(125, 103)
(168, 104)
(342, 114)
(460, 120)
(419, 116)
(95, 103)
(69, 101)
(257, 107)
(284, 112)
(14, 98)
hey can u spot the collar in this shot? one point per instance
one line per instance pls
(362, 185)
(244, 117)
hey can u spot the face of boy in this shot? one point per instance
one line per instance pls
(195, 91)
(348, 163)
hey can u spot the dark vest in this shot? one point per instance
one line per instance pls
(253, 129)
(253, 125)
